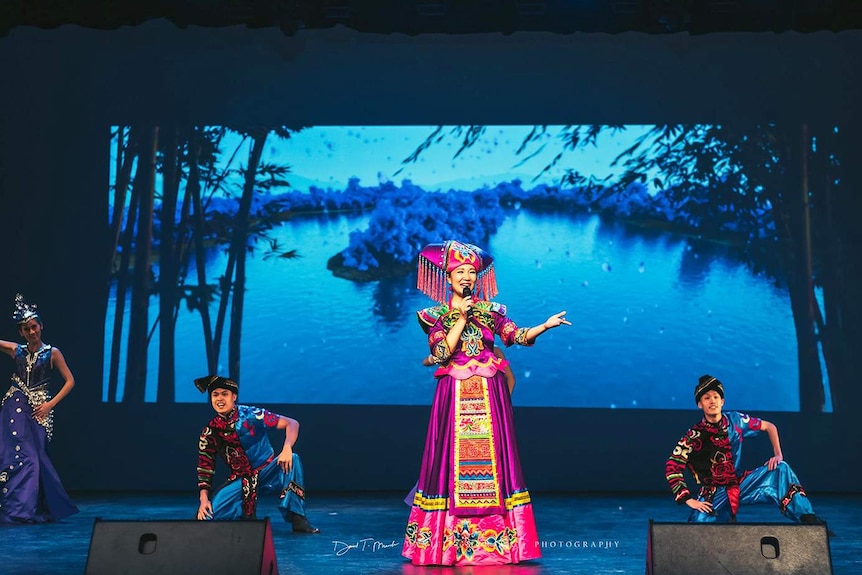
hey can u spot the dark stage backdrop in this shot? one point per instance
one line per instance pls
(63, 90)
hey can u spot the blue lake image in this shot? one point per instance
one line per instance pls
(651, 311)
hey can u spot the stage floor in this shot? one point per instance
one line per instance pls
(362, 534)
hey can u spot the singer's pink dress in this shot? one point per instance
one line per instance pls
(471, 506)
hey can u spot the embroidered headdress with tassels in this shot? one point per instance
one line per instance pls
(24, 312)
(437, 260)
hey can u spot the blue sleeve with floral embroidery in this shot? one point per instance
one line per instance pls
(251, 426)
(741, 426)
(745, 425)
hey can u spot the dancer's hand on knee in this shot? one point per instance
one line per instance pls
(702, 506)
(773, 462)
(205, 511)
(285, 459)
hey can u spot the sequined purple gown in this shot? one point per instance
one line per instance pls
(30, 489)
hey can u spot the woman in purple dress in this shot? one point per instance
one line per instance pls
(30, 489)
(471, 506)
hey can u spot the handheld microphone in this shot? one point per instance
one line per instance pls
(465, 293)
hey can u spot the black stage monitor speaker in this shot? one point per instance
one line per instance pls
(181, 547)
(736, 548)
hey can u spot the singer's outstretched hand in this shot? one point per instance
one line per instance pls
(557, 320)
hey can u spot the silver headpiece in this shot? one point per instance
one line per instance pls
(24, 312)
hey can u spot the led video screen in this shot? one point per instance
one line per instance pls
(287, 258)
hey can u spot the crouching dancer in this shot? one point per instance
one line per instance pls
(712, 450)
(238, 434)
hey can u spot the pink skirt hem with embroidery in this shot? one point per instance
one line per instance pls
(440, 538)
